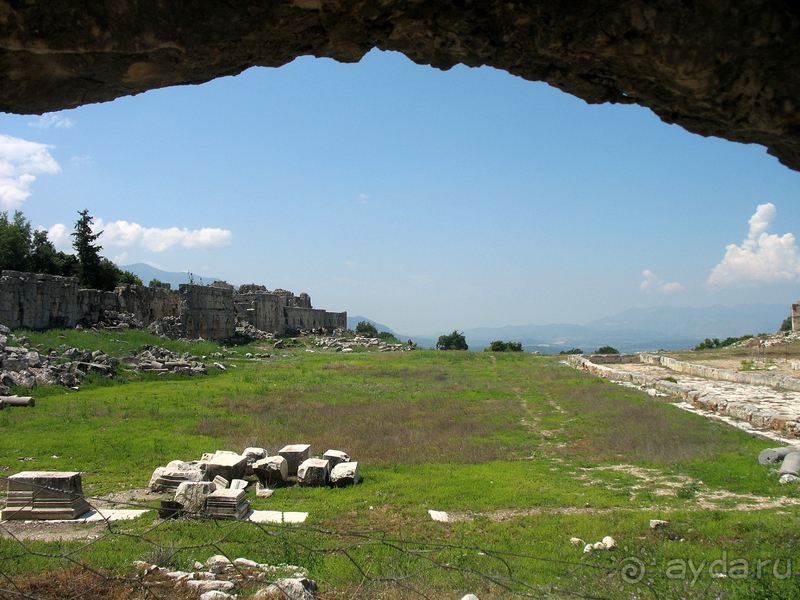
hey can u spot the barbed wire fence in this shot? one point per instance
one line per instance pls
(374, 564)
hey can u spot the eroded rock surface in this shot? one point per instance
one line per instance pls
(723, 68)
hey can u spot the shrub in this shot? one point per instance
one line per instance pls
(499, 346)
(573, 351)
(454, 341)
(787, 324)
(366, 329)
(607, 350)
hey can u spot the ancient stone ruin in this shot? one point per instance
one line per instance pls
(36, 301)
(215, 486)
(44, 495)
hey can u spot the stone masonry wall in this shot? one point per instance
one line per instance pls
(38, 301)
(281, 313)
(796, 317)
(34, 301)
(148, 304)
(208, 312)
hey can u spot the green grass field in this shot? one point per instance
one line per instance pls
(522, 451)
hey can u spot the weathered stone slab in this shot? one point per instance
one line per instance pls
(272, 471)
(334, 457)
(313, 472)
(294, 455)
(345, 474)
(193, 495)
(229, 466)
(44, 495)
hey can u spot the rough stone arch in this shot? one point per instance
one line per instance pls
(202, 329)
(728, 68)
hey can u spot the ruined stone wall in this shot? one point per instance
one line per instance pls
(796, 317)
(35, 301)
(263, 310)
(282, 312)
(93, 303)
(208, 312)
(148, 304)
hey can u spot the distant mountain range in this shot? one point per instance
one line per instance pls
(633, 330)
(147, 273)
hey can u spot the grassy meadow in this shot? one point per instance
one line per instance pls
(522, 451)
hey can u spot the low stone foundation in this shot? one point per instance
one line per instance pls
(762, 417)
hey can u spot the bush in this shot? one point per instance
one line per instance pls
(504, 347)
(787, 324)
(454, 341)
(606, 350)
(710, 344)
(573, 351)
(366, 329)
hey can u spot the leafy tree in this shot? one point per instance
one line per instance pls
(454, 341)
(607, 350)
(366, 329)
(15, 242)
(787, 324)
(92, 273)
(155, 283)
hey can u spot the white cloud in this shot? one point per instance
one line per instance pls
(60, 236)
(120, 259)
(122, 234)
(652, 284)
(20, 161)
(762, 257)
(52, 120)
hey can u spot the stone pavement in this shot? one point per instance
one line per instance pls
(770, 411)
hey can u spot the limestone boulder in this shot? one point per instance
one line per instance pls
(299, 588)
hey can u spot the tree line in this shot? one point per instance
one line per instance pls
(24, 249)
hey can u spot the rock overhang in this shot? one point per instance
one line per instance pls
(722, 68)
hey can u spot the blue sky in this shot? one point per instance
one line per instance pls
(422, 199)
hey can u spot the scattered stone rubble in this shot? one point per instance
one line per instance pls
(152, 359)
(24, 366)
(215, 486)
(219, 576)
(341, 344)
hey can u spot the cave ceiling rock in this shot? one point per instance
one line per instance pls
(722, 68)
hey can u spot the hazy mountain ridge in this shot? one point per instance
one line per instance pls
(147, 273)
(632, 330)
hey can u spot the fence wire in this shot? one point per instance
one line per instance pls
(367, 564)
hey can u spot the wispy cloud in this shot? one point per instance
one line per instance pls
(20, 162)
(762, 258)
(83, 160)
(52, 120)
(653, 284)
